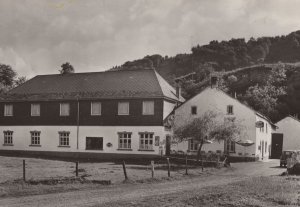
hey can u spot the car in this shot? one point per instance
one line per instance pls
(284, 156)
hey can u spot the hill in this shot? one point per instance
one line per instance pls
(250, 62)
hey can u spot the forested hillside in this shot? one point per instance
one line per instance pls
(269, 80)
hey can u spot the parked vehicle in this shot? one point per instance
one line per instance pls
(284, 156)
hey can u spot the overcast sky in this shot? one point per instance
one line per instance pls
(37, 36)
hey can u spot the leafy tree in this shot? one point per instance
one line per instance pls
(66, 68)
(7, 75)
(264, 98)
(206, 128)
(19, 81)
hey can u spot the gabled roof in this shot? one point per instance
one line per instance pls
(289, 116)
(105, 85)
(256, 112)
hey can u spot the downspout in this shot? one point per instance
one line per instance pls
(77, 123)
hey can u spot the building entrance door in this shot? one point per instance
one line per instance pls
(276, 145)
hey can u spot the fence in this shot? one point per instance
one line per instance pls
(38, 169)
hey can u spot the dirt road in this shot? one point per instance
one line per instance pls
(134, 192)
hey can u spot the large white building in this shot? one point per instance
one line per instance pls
(227, 107)
(101, 115)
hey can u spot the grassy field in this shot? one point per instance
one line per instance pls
(255, 192)
(50, 176)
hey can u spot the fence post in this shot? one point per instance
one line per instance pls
(152, 168)
(202, 163)
(186, 163)
(24, 173)
(168, 161)
(124, 169)
(77, 169)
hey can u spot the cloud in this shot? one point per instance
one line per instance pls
(37, 36)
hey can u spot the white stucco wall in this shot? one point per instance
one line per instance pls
(168, 108)
(290, 128)
(215, 100)
(263, 136)
(49, 138)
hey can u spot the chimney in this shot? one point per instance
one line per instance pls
(213, 81)
(178, 90)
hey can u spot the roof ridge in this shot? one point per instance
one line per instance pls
(105, 71)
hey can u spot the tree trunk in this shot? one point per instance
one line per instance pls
(199, 151)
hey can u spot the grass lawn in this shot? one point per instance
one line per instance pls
(255, 192)
(49, 176)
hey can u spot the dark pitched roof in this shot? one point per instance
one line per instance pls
(109, 84)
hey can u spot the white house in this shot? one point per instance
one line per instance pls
(95, 115)
(227, 107)
(288, 133)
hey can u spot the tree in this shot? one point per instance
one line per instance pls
(7, 75)
(207, 128)
(66, 68)
(265, 98)
(19, 81)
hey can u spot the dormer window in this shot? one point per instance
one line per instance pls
(229, 109)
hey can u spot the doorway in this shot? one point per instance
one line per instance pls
(276, 149)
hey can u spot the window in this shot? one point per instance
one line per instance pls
(124, 140)
(94, 143)
(229, 119)
(8, 137)
(146, 141)
(95, 108)
(64, 109)
(194, 110)
(123, 108)
(229, 109)
(8, 110)
(64, 138)
(266, 145)
(267, 128)
(148, 107)
(35, 137)
(229, 145)
(35, 109)
(193, 145)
